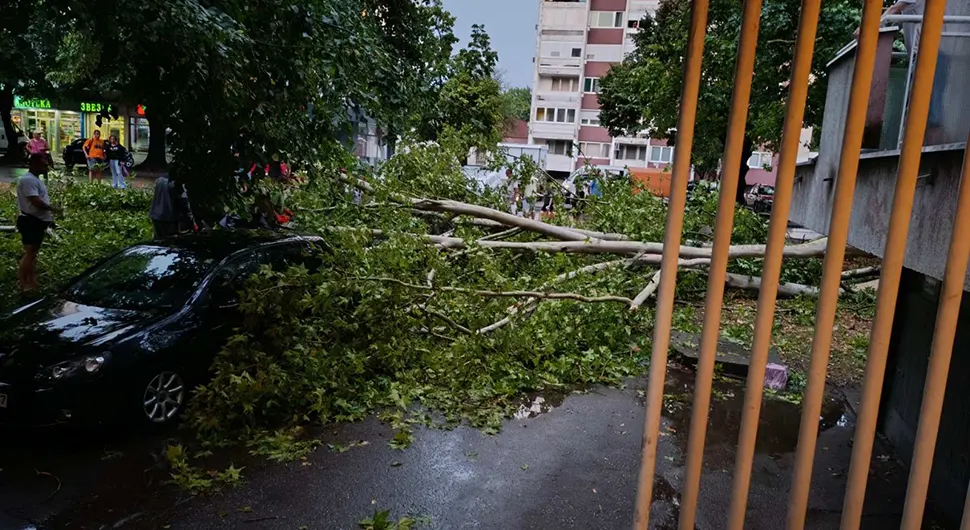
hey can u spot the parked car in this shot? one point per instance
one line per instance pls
(134, 333)
(74, 155)
(760, 198)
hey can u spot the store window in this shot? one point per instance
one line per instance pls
(661, 155)
(68, 129)
(138, 129)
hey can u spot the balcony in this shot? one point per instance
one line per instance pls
(560, 163)
(553, 130)
(568, 66)
(568, 99)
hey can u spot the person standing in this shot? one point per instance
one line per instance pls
(164, 213)
(36, 215)
(116, 155)
(94, 152)
(39, 146)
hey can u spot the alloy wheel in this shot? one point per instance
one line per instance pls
(163, 397)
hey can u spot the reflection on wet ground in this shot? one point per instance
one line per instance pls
(567, 460)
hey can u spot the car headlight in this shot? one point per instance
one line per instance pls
(91, 364)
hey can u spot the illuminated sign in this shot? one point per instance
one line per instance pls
(25, 103)
(142, 109)
(92, 107)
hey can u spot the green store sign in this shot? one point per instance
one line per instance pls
(92, 107)
(27, 103)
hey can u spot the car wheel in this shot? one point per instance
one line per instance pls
(163, 398)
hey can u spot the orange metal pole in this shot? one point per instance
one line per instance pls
(834, 258)
(892, 265)
(744, 71)
(771, 272)
(671, 258)
(939, 365)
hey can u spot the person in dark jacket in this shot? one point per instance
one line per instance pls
(116, 155)
(170, 213)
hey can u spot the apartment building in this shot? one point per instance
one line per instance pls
(577, 43)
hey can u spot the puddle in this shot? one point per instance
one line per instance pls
(537, 404)
(778, 424)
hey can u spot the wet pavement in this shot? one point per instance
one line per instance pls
(558, 465)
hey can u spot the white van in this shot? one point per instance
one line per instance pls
(21, 138)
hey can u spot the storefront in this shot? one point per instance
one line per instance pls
(62, 122)
(58, 127)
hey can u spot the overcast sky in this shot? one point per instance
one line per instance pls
(512, 26)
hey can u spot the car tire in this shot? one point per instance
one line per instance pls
(161, 397)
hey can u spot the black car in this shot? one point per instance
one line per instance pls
(74, 155)
(135, 332)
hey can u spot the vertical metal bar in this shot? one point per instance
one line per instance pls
(834, 258)
(771, 272)
(940, 353)
(744, 71)
(671, 258)
(909, 160)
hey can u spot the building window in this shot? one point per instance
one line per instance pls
(633, 24)
(661, 155)
(560, 147)
(760, 160)
(606, 19)
(631, 152)
(594, 150)
(565, 84)
(591, 85)
(556, 115)
(589, 117)
(577, 52)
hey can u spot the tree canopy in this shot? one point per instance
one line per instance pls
(644, 91)
(519, 102)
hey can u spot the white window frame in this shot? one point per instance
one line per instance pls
(554, 145)
(764, 160)
(661, 149)
(613, 19)
(623, 152)
(592, 121)
(559, 82)
(591, 85)
(595, 150)
(555, 115)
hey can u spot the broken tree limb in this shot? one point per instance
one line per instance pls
(647, 292)
(500, 294)
(8, 229)
(861, 273)
(785, 290)
(506, 219)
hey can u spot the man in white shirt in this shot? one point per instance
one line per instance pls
(36, 215)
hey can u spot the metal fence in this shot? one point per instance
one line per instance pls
(914, 132)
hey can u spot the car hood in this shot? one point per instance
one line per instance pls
(54, 330)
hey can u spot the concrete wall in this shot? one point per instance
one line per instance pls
(903, 392)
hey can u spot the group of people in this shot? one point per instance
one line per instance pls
(111, 153)
(536, 199)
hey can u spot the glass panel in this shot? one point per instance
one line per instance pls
(540, 114)
(143, 277)
(618, 21)
(561, 115)
(571, 116)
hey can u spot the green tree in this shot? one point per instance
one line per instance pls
(470, 111)
(265, 77)
(644, 91)
(518, 101)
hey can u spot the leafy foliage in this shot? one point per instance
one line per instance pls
(97, 221)
(518, 103)
(644, 91)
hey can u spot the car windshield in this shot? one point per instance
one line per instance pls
(143, 277)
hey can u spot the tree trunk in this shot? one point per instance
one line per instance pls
(157, 123)
(747, 147)
(14, 154)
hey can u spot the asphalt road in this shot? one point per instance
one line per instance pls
(572, 466)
